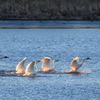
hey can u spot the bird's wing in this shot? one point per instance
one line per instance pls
(45, 67)
(74, 64)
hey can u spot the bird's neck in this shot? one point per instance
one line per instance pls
(53, 64)
(36, 66)
(82, 62)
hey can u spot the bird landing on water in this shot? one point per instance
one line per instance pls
(75, 66)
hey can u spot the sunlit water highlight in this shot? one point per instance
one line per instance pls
(61, 44)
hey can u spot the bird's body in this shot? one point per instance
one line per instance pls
(20, 67)
(46, 65)
(29, 71)
(75, 66)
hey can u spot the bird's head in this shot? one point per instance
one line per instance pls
(36, 61)
(87, 58)
(56, 60)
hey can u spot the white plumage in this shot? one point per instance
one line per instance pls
(46, 64)
(20, 67)
(29, 71)
(75, 66)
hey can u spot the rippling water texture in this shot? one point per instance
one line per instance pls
(61, 44)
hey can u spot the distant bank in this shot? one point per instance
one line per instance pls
(48, 24)
(50, 9)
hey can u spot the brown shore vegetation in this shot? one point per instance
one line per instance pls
(50, 9)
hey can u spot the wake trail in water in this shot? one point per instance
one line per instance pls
(13, 73)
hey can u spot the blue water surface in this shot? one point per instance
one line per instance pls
(61, 44)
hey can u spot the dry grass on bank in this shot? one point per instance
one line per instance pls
(49, 9)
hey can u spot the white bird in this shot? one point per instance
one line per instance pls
(75, 66)
(46, 64)
(29, 71)
(20, 67)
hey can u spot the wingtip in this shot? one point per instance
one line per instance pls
(25, 58)
(76, 58)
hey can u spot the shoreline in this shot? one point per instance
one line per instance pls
(49, 24)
